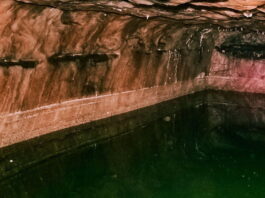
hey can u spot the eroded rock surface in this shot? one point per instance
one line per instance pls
(65, 63)
(49, 56)
(225, 13)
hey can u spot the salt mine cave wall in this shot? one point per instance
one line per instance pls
(61, 68)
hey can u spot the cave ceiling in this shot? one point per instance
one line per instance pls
(227, 13)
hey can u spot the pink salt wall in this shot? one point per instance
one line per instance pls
(234, 74)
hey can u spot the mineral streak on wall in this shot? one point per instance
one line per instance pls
(89, 65)
(63, 68)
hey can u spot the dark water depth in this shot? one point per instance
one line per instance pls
(193, 153)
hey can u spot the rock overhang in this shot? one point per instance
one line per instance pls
(227, 13)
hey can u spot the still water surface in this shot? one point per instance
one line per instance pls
(175, 156)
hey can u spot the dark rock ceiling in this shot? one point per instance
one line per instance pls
(229, 13)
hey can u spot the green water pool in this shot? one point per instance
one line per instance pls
(183, 155)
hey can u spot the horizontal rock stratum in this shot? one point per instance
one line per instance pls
(67, 63)
(225, 12)
(64, 62)
(233, 4)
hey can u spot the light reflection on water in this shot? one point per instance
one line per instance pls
(177, 156)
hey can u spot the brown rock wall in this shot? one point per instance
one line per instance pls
(62, 68)
(81, 54)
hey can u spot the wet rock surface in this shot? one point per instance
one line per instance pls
(65, 63)
(226, 13)
(221, 121)
(85, 53)
(244, 46)
(93, 53)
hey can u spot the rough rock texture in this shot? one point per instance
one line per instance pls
(81, 54)
(65, 63)
(238, 62)
(61, 69)
(225, 12)
(89, 134)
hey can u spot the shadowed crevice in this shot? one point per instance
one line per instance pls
(243, 51)
(25, 63)
(96, 58)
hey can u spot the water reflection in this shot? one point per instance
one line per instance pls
(209, 150)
